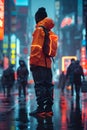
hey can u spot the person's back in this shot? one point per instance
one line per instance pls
(70, 74)
(78, 72)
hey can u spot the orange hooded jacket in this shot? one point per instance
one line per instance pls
(37, 56)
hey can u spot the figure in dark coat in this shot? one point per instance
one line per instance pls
(78, 73)
(22, 77)
(7, 80)
(62, 81)
(70, 74)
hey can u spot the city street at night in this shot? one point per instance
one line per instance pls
(43, 64)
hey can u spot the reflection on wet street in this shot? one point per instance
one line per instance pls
(69, 113)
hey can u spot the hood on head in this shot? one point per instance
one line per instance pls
(46, 22)
(21, 62)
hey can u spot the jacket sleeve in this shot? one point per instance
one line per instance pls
(37, 42)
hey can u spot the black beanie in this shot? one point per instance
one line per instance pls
(40, 14)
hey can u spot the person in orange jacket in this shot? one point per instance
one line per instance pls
(40, 65)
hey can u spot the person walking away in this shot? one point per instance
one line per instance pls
(62, 81)
(78, 73)
(8, 79)
(40, 65)
(22, 77)
(70, 74)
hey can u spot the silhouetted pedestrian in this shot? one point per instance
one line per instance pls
(70, 74)
(22, 77)
(78, 73)
(62, 81)
(7, 80)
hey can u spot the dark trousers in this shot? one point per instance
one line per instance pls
(22, 86)
(72, 89)
(77, 90)
(7, 89)
(43, 86)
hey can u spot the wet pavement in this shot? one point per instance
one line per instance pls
(68, 113)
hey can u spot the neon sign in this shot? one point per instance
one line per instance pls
(83, 59)
(68, 20)
(1, 19)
